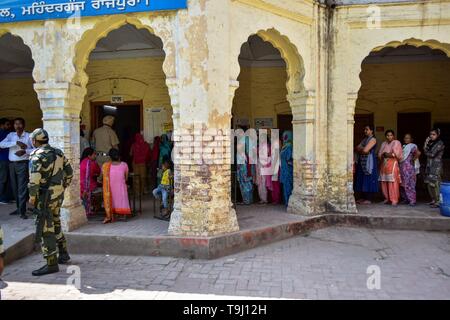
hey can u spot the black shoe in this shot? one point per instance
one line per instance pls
(14, 213)
(3, 284)
(24, 216)
(63, 258)
(46, 270)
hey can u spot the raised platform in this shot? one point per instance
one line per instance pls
(259, 225)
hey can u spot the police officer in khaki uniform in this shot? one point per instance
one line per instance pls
(50, 175)
(105, 139)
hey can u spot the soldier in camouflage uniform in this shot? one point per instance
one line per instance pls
(50, 174)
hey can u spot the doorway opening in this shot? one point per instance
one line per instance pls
(127, 81)
(129, 121)
(405, 89)
(260, 103)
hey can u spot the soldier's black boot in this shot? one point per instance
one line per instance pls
(50, 267)
(63, 257)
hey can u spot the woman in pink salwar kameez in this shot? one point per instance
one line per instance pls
(390, 154)
(115, 190)
(273, 175)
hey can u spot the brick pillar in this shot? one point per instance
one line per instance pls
(309, 188)
(202, 160)
(61, 105)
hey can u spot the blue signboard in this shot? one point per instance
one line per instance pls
(26, 10)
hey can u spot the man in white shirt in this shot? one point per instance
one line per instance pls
(20, 147)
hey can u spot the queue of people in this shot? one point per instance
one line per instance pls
(275, 185)
(103, 171)
(394, 168)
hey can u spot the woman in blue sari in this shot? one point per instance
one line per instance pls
(287, 166)
(244, 173)
(165, 150)
(366, 178)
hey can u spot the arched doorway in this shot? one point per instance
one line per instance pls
(18, 98)
(404, 89)
(260, 103)
(126, 79)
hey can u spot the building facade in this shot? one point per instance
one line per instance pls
(196, 61)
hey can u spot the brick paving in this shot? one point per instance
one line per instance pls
(326, 264)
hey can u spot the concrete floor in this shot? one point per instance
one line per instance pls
(249, 217)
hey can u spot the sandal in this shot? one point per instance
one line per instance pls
(434, 206)
(107, 221)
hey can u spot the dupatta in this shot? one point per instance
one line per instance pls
(107, 195)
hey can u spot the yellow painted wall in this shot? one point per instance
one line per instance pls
(18, 99)
(405, 87)
(134, 79)
(261, 94)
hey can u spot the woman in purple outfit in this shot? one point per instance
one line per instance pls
(409, 168)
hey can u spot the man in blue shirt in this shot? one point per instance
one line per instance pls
(5, 128)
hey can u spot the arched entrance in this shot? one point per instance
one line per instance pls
(124, 77)
(18, 98)
(18, 101)
(404, 89)
(288, 98)
(260, 103)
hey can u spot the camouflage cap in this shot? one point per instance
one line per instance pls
(39, 135)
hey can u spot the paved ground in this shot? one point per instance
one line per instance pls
(14, 228)
(328, 264)
(380, 209)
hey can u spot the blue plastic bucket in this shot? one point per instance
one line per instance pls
(445, 198)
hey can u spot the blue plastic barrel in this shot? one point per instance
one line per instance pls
(445, 198)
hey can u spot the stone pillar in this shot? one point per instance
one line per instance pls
(308, 193)
(203, 204)
(61, 105)
(351, 105)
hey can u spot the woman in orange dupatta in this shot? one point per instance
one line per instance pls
(115, 190)
(390, 154)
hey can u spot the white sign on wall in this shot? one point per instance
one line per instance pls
(117, 99)
(154, 120)
(264, 123)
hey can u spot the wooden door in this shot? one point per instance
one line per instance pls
(284, 122)
(361, 121)
(418, 124)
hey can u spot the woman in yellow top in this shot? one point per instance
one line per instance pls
(165, 187)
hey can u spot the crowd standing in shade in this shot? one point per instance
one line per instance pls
(396, 168)
(271, 174)
(104, 172)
